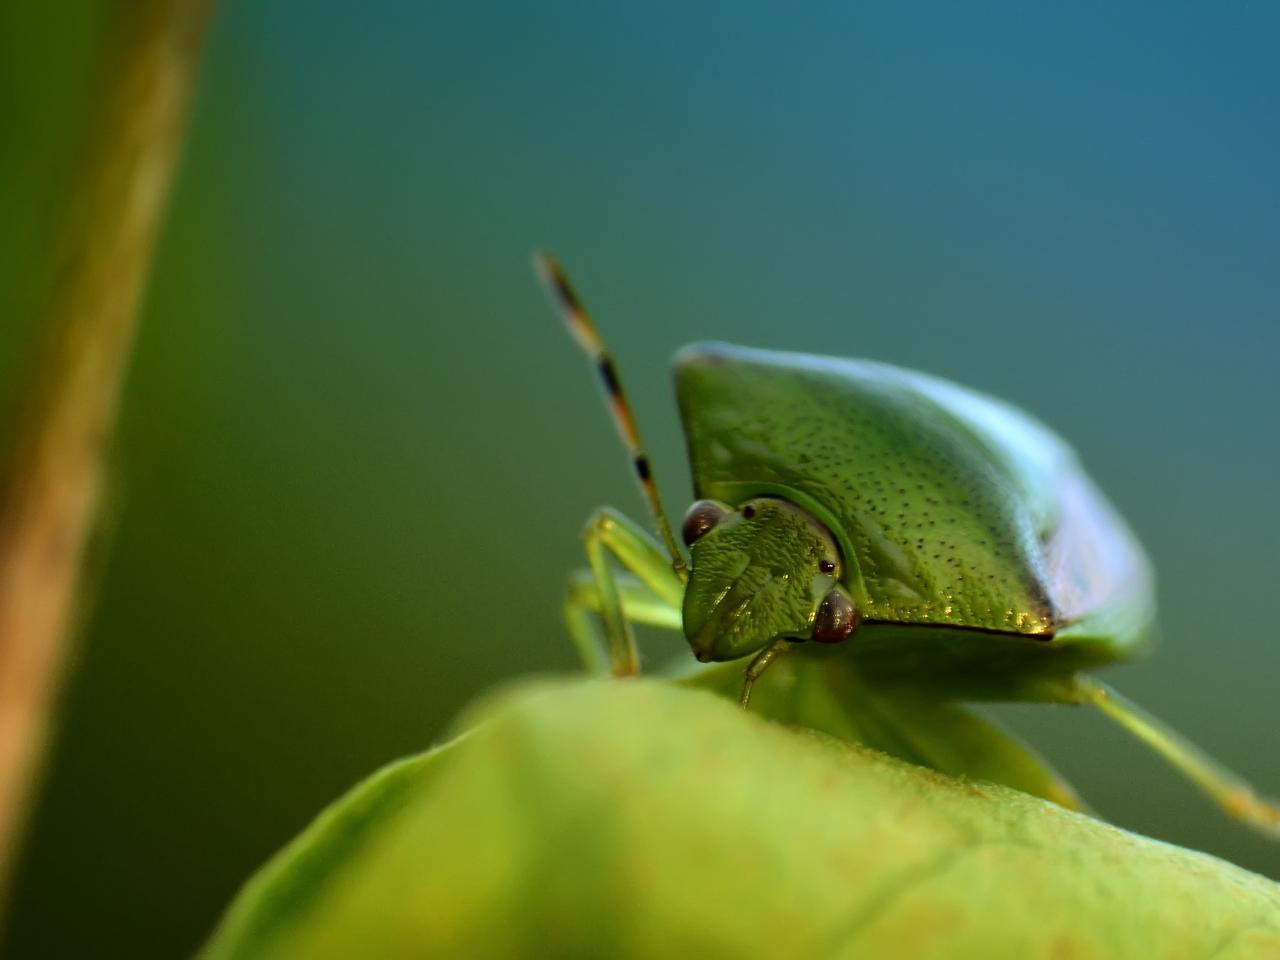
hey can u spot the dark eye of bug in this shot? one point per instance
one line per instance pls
(827, 566)
(836, 618)
(748, 511)
(698, 519)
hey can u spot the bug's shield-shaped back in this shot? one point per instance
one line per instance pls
(949, 504)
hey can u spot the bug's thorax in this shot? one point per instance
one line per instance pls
(761, 571)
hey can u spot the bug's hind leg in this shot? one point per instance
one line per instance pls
(653, 594)
(1232, 794)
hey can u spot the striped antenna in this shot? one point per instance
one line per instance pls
(584, 331)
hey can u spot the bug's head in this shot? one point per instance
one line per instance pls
(764, 571)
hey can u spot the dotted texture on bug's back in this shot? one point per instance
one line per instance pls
(942, 529)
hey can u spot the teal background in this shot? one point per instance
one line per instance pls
(356, 448)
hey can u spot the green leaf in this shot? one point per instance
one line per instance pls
(640, 819)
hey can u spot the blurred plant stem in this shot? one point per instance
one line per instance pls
(54, 473)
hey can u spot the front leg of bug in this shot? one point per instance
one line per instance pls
(662, 572)
(582, 614)
(759, 664)
(651, 595)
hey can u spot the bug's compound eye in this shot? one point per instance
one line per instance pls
(837, 616)
(827, 566)
(699, 518)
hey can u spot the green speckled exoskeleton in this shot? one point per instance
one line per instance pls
(888, 545)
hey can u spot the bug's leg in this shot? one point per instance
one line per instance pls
(759, 665)
(1231, 793)
(609, 532)
(582, 606)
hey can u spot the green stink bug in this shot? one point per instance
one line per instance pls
(928, 543)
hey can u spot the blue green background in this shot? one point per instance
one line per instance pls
(356, 448)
